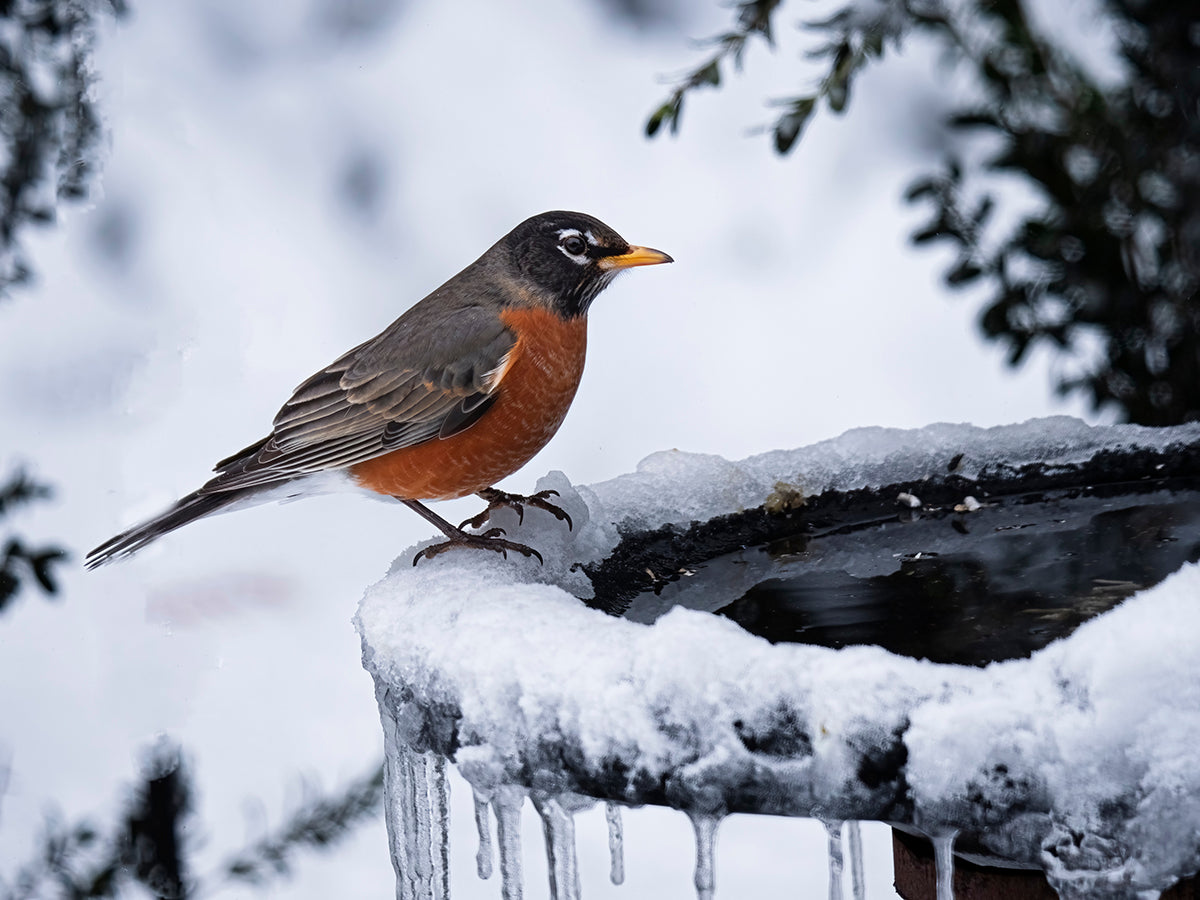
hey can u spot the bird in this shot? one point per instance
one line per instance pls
(457, 393)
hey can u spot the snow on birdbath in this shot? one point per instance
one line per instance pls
(1080, 760)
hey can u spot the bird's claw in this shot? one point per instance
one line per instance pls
(502, 499)
(489, 540)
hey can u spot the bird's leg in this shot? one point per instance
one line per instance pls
(502, 499)
(456, 537)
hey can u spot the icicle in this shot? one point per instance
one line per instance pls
(858, 883)
(833, 832)
(416, 809)
(438, 790)
(483, 856)
(616, 843)
(943, 862)
(559, 825)
(706, 843)
(507, 803)
(398, 815)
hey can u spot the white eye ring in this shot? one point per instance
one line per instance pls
(573, 245)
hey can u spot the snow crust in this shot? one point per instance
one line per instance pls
(674, 486)
(1081, 759)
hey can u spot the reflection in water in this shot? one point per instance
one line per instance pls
(1000, 585)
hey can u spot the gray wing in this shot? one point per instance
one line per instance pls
(432, 373)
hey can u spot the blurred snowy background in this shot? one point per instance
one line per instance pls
(281, 182)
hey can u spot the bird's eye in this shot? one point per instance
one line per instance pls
(574, 244)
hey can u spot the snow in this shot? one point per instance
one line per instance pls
(1079, 759)
(675, 486)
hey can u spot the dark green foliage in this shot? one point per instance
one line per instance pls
(145, 847)
(753, 19)
(151, 849)
(319, 822)
(76, 862)
(1106, 268)
(850, 41)
(49, 126)
(18, 562)
(145, 854)
(70, 864)
(1112, 253)
(21, 490)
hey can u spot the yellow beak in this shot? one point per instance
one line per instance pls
(637, 256)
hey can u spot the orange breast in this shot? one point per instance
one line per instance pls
(531, 402)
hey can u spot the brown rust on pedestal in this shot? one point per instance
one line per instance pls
(916, 877)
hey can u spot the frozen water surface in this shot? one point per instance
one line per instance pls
(1079, 760)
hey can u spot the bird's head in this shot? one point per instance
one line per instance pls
(567, 258)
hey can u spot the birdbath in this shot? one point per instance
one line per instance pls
(986, 637)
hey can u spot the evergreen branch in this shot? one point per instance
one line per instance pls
(146, 845)
(320, 822)
(19, 562)
(753, 19)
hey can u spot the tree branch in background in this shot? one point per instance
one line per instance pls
(753, 19)
(18, 562)
(146, 846)
(1105, 271)
(49, 126)
(320, 822)
(851, 38)
(1112, 255)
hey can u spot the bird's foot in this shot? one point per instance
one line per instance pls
(504, 500)
(489, 540)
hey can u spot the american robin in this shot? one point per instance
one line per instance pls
(457, 393)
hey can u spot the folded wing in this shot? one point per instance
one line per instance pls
(393, 391)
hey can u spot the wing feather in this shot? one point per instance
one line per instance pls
(433, 371)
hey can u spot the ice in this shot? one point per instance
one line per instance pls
(558, 822)
(677, 487)
(833, 832)
(943, 864)
(416, 810)
(844, 839)
(1080, 759)
(507, 803)
(858, 888)
(483, 856)
(616, 843)
(705, 879)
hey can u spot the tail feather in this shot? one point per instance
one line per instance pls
(190, 508)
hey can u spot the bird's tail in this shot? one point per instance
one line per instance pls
(190, 508)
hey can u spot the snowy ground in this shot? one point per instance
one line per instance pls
(223, 263)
